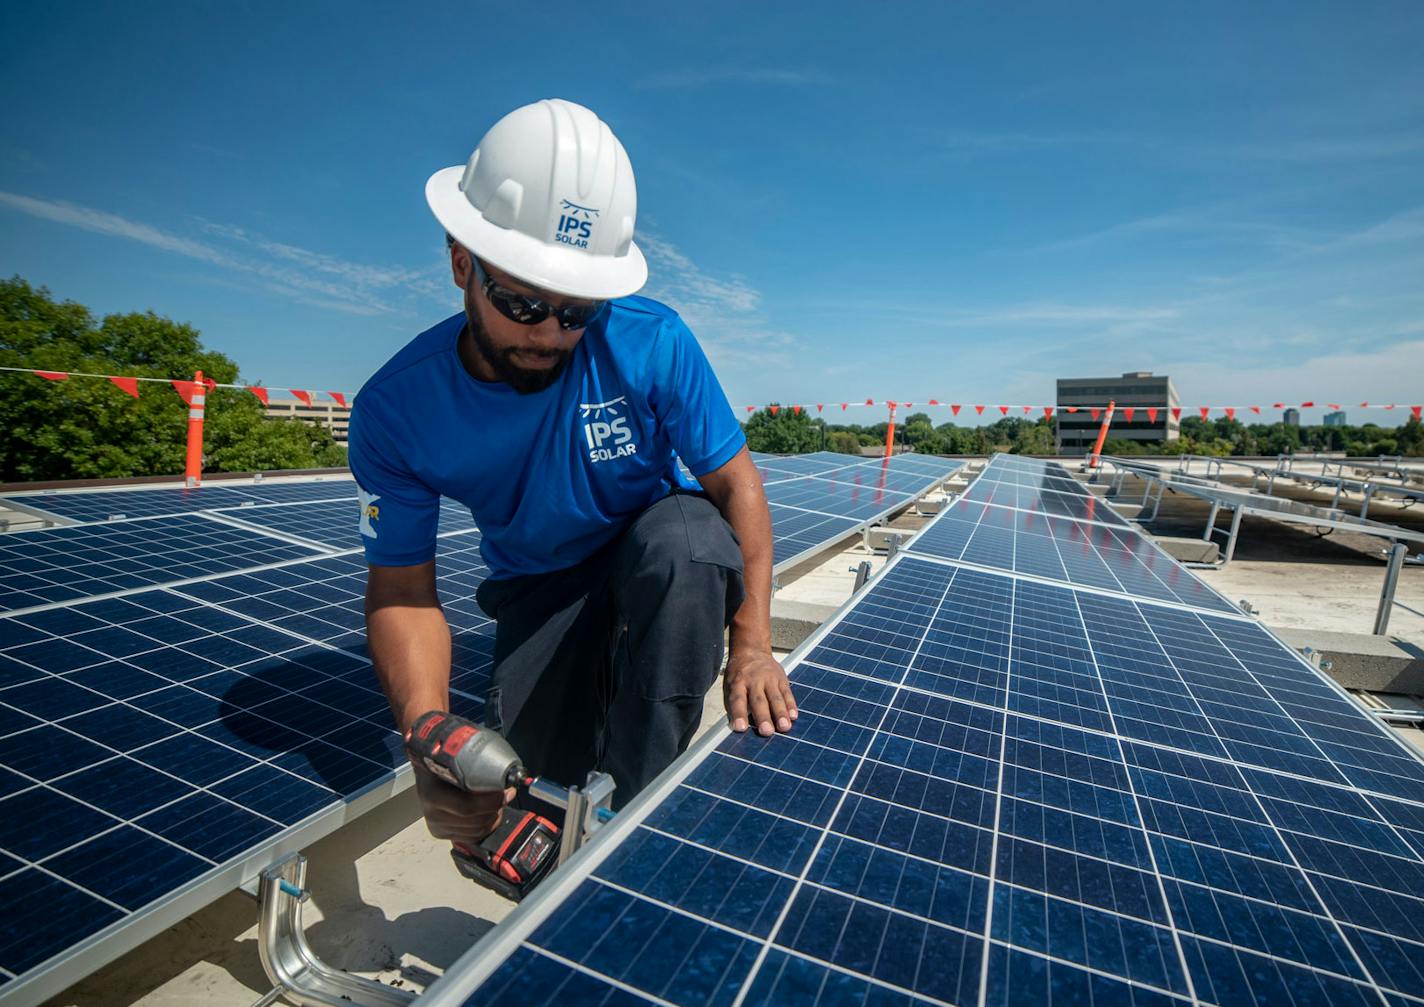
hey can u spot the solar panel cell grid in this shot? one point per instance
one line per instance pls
(1056, 794)
(59, 564)
(1073, 552)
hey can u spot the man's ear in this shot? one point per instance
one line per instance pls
(461, 265)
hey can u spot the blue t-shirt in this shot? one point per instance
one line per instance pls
(551, 476)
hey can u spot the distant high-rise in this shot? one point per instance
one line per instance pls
(1139, 391)
(1291, 417)
(1335, 419)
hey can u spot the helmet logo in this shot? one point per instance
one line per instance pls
(575, 224)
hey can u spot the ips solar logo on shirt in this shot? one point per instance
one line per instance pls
(575, 224)
(606, 431)
(370, 513)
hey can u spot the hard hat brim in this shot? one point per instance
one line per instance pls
(549, 267)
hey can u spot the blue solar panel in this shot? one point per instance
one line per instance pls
(1061, 549)
(332, 523)
(198, 722)
(1071, 505)
(106, 505)
(59, 564)
(1006, 791)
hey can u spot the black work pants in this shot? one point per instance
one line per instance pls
(604, 665)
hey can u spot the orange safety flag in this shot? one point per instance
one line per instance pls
(1278, 405)
(303, 397)
(773, 409)
(1048, 412)
(819, 406)
(1256, 410)
(1071, 409)
(1004, 410)
(796, 410)
(751, 409)
(1230, 412)
(843, 406)
(1151, 414)
(934, 402)
(129, 385)
(1390, 406)
(892, 403)
(1027, 410)
(979, 410)
(340, 398)
(909, 405)
(1128, 413)
(1095, 411)
(186, 390)
(54, 375)
(260, 392)
(1176, 412)
(954, 408)
(1416, 410)
(1204, 410)
(1364, 405)
(870, 402)
(1307, 405)
(1333, 405)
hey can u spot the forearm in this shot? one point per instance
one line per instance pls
(410, 646)
(747, 513)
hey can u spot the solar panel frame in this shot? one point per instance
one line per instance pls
(86, 506)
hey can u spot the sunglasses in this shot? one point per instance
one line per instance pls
(530, 310)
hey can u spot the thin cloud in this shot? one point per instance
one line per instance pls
(299, 274)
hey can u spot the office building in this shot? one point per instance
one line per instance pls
(1291, 417)
(1335, 419)
(335, 418)
(1139, 391)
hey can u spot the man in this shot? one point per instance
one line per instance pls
(556, 407)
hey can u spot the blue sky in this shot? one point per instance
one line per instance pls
(949, 200)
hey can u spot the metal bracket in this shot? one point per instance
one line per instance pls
(299, 975)
(586, 809)
(862, 574)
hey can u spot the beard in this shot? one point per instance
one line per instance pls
(524, 380)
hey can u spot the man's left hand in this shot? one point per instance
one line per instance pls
(756, 691)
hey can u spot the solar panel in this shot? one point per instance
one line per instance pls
(1003, 791)
(58, 564)
(332, 523)
(105, 505)
(199, 724)
(1072, 505)
(1073, 552)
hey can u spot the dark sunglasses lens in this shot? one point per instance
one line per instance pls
(518, 308)
(577, 316)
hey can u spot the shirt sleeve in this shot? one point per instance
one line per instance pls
(399, 514)
(690, 404)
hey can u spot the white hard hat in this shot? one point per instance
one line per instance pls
(548, 196)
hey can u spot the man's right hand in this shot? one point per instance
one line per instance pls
(455, 814)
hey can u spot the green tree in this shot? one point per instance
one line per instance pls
(87, 428)
(786, 431)
(843, 442)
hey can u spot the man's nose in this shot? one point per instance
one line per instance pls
(547, 334)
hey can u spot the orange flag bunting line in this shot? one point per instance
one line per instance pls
(796, 410)
(303, 397)
(1230, 412)
(260, 392)
(773, 409)
(186, 390)
(1048, 412)
(1027, 410)
(954, 408)
(1204, 410)
(819, 406)
(979, 410)
(751, 409)
(1176, 412)
(340, 398)
(1307, 405)
(1416, 410)
(1256, 410)
(129, 385)
(1128, 412)
(1151, 414)
(1071, 409)
(54, 375)
(1095, 411)
(843, 406)
(1004, 410)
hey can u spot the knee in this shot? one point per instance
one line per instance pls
(694, 537)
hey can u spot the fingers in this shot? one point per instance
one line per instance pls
(736, 700)
(777, 704)
(760, 710)
(789, 699)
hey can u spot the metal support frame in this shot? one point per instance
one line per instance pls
(1391, 581)
(298, 974)
(862, 574)
(586, 809)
